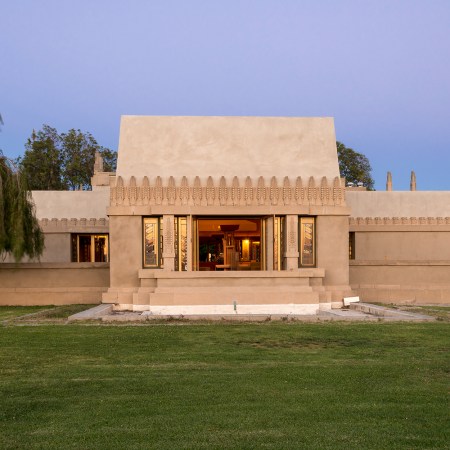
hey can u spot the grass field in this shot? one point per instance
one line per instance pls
(271, 385)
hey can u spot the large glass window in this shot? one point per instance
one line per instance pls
(181, 260)
(278, 242)
(230, 243)
(307, 242)
(351, 245)
(153, 241)
(90, 248)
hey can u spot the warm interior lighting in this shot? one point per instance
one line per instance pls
(245, 249)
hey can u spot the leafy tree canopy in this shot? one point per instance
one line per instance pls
(354, 166)
(20, 233)
(60, 161)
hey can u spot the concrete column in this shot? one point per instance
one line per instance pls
(169, 243)
(269, 243)
(291, 254)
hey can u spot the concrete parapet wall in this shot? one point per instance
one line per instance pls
(66, 204)
(53, 284)
(399, 203)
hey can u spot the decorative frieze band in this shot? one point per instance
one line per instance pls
(399, 220)
(228, 193)
(72, 224)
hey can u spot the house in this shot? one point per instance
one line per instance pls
(224, 214)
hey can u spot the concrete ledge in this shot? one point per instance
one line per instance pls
(108, 314)
(229, 309)
(49, 296)
(300, 273)
(58, 265)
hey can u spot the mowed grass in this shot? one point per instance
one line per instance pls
(39, 314)
(11, 312)
(187, 386)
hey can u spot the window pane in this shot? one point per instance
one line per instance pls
(74, 248)
(89, 248)
(84, 248)
(181, 244)
(151, 240)
(351, 245)
(101, 248)
(160, 249)
(278, 242)
(307, 250)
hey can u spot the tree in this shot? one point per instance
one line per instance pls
(54, 161)
(42, 163)
(78, 156)
(354, 166)
(20, 233)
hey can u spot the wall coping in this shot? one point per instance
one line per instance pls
(301, 273)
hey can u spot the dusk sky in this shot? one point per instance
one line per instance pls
(381, 68)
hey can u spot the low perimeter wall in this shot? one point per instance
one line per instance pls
(407, 282)
(53, 284)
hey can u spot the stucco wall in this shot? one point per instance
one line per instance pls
(403, 245)
(332, 252)
(407, 282)
(126, 250)
(57, 250)
(399, 203)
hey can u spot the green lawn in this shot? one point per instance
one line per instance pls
(11, 312)
(271, 385)
(39, 314)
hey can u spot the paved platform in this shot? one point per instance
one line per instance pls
(356, 312)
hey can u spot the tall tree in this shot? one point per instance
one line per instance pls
(42, 162)
(54, 161)
(20, 234)
(354, 166)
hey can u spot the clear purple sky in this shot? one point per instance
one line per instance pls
(381, 68)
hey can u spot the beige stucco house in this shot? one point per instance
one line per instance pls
(225, 214)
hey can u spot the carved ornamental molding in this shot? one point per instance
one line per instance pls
(74, 225)
(223, 192)
(362, 221)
